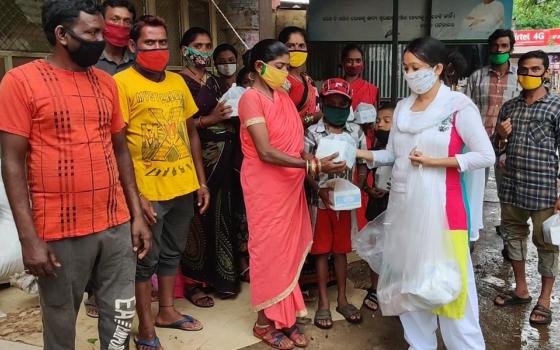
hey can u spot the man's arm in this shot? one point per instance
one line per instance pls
(196, 151)
(141, 234)
(37, 255)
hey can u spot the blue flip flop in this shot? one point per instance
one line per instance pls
(152, 344)
(178, 324)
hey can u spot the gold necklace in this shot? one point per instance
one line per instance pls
(202, 80)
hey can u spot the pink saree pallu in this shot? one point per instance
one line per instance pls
(280, 233)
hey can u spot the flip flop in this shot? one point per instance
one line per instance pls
(371, 296)
(348, 311)
(322, 315)
(511, 299)
(152, 344)
(178, 324)
(91, 309)
(540, 310)
(190, 293)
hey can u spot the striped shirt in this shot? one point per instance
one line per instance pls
(316, 132)
(68, 119)
(531, 168)
(489, 91)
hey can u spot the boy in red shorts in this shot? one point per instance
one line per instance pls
(333, 228)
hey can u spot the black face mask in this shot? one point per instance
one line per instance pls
(381, 138)
(88, 53)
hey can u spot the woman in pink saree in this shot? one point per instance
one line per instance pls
(272, 177)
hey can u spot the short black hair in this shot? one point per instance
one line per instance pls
(266, 50)
(387, 105)
(119, 3)
(190, 35)
(535, 54)
(64, 12)
(241, 75)
(349, 48)
(500, 33)
(433, 52)
(223, 47)
(285, 34)
(146, 21)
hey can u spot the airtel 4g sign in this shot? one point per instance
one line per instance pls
(538, 37)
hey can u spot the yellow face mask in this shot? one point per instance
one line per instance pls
(298, 58)
(273, 76)
(529, 82)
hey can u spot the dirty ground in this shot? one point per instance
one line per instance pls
(228, 325)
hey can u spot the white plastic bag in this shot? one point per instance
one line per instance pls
(11, 261)
(410, 247)
(551, 229)
(232, 96)
(365, 113)
(341, 143)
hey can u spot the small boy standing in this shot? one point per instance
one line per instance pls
(332, 234)
(379, 194)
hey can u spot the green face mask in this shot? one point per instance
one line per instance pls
(499, 58)
(336, 116)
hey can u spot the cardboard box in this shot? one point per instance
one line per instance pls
(345, 195)
(343, 144)
(365, 113)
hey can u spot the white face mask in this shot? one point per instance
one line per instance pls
(228, 69)
(422, 80)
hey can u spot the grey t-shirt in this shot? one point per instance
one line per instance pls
(105, 64)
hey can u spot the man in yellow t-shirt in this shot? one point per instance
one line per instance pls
(158, 107)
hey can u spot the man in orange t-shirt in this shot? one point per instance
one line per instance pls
(64, 146)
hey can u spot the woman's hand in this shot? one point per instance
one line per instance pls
(417, 158)
(328, 166)
(365, 155)
(219, 114)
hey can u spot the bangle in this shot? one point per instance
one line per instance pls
(319, 166)
(307, 171)
(204, 186)
(140, 195)
(313, 168)
(200, 123)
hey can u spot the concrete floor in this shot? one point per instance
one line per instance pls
(228, 324)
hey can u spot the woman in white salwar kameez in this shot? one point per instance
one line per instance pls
(432, 130)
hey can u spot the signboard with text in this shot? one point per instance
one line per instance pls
(469, 19)
(359, 20)
(537, 37)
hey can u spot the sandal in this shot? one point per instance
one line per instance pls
(540, 310)
(91, 309)
(152, 344)
(299, 339)
(511, 299)
(179, 324)
(323, 315)
(272, 337)
(371, 297)
(200, 301)
(348, 311)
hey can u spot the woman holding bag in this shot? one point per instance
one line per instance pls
(422, 281)
(272, 176)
